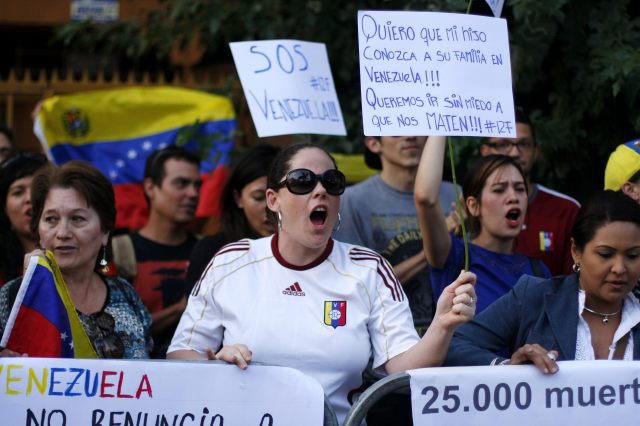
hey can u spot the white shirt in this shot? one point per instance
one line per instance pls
(249, 294)
(630, 317)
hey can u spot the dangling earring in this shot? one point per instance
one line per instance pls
(576, 267)
(104, 265)
(279, 221)
(338, 223)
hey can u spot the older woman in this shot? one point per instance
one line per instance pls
(73, 215)
(16, 238)
(591, 314)
(301, 299)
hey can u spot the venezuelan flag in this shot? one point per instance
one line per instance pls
(117, 129)
(43, 321)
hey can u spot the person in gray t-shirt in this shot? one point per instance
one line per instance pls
(379, 213)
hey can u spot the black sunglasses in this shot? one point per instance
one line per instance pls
(108, 344)
(302, 181)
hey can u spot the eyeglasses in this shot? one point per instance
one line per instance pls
(504, 145)
(302, 181)
(108, 344)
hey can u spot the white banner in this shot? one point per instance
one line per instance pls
(427, 73)
(67, 392)
(289, 87)
(582, 393)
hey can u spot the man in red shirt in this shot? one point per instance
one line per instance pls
(546, 232)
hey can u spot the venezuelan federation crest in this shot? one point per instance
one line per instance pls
(335, 313)
(75, 122)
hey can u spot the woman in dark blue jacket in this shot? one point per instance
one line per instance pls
(591, 314)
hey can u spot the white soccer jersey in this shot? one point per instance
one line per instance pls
(325, 319)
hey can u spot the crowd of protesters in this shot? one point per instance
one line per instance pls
(380, 284)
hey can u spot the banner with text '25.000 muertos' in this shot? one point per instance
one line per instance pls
(427, 73)
(585, 393)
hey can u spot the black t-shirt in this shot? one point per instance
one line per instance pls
(161, 279)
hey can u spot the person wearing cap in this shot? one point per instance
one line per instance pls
(623, 170)
(546, 232)
(623, 174)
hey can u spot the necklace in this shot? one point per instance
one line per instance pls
(605, 317)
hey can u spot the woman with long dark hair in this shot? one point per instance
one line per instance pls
(495, 200)
(243, 205)
(16, 238)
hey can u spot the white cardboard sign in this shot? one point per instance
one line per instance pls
(47, 391)
(289, 87)
(582, 393)
(428, 73)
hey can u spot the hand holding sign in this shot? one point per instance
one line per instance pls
(239, 355)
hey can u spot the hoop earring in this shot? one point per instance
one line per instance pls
(576, 267)
(338, 223)
(104, 265)
(279, 221)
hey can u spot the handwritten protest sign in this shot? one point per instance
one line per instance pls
(67, 392)
(424, 73)
(289, 87)
(581, 393)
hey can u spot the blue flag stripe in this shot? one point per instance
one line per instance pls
(42, 296)
(122, 161)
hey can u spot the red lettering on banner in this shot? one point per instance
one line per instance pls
(104, 385)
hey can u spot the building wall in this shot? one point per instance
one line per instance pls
(55, 12)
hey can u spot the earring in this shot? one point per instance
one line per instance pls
(338, 223)
(279, 221)
(104, 265)
(576, 267)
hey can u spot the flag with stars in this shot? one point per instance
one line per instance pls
(117, 129)
(43, 321)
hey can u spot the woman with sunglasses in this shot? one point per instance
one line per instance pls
(303, 300)
(16, 238)
(73, 215)
(495, 201)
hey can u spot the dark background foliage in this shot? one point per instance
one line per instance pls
(576, 64)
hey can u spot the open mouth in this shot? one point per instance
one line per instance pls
(513, 217)
(318, 216)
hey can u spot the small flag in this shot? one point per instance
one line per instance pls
(335, 313)
(43, 321)
(546, 241)
(117, 129)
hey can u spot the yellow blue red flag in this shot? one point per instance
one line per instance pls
(43, 321)
(117, 129)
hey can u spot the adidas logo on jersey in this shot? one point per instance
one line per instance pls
(293, 290)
